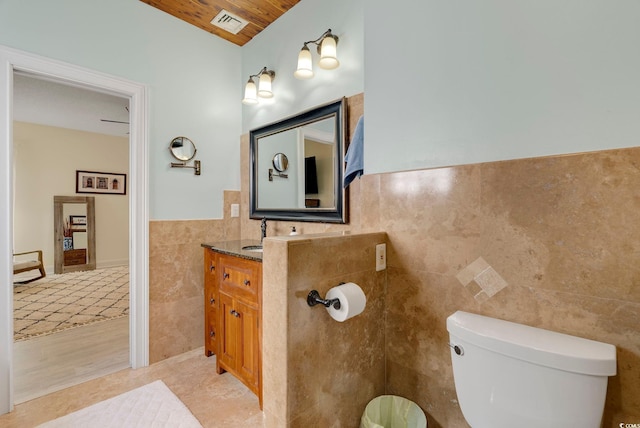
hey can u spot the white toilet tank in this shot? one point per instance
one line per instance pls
(512, 375)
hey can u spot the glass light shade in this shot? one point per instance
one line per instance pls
(328, 54)
(264, 86)
(250, 93)
(305, 67)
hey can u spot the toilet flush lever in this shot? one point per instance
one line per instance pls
(457, 349)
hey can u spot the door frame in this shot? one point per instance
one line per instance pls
(15, 60)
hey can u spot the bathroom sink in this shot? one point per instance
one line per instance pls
(256, 248)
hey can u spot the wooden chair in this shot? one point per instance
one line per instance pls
(22, 264)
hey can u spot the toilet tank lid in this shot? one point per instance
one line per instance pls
(535, 345)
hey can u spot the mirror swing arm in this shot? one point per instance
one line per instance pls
(195, 166)
(183, 149)
(276, 174)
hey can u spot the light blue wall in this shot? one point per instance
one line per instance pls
(462, 81)
(280, 192)
(277, 48)
(193, 79)
(446, 82)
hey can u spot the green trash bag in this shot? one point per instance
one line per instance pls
(391, 411)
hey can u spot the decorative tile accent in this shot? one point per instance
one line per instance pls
(484, 276)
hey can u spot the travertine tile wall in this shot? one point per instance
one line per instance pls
(549, 242)
(560, 234)
(319, 372)
(176, 279)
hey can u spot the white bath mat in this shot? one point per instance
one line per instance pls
(152, 405)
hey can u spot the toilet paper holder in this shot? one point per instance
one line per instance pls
(313, 298)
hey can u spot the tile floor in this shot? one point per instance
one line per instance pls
(217, 401)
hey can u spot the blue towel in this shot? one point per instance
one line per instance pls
(355, 156)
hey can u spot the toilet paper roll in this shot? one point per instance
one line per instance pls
(352, 301)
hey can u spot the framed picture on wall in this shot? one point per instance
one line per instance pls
(78, 221)
(101, 182)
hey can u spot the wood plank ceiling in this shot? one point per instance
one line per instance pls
(259, 13)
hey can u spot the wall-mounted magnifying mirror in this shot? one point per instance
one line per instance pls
(314, 142)
(280, 162)
(183, 149)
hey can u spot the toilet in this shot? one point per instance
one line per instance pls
(512, 375)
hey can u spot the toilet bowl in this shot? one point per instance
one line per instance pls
(508, 374)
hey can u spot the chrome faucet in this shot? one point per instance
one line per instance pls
(263, 226)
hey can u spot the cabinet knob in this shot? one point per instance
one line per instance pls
(247, 282)
(234, 313)
(212, 300)
(212, 268)
(212, 333)
(226, 275)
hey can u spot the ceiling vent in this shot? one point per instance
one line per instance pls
(229, 22)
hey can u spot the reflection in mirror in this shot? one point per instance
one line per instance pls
(182, 148)
(314, 141)
(74, 233)
(280, 162)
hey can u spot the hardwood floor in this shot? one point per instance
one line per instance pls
(50, 363)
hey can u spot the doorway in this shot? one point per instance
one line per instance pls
(58, 130)
(12, 61)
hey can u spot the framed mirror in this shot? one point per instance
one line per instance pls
(313, 143)
(74, 233)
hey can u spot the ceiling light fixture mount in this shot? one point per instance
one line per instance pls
(327, 49)
(263, 90)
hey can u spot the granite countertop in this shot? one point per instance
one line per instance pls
(234, 248)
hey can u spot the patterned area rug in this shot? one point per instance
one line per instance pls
(63, 301)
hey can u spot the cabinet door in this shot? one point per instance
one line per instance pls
(247, 362)
(227, 332)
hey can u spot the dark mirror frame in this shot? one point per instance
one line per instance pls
(338, 214)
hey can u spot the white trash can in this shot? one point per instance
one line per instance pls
(391, 411)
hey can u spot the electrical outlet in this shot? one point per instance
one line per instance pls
(235, 210)
(381, 257)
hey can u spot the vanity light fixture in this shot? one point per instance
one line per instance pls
(327, 49)
(263, 90)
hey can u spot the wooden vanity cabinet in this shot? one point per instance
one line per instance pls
(233, 298)
(210, 302)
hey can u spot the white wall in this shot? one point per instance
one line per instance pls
(277, 48)
(460, 81)
(46, 159)
(193, 79)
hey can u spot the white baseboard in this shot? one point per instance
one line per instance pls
(101, 264)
